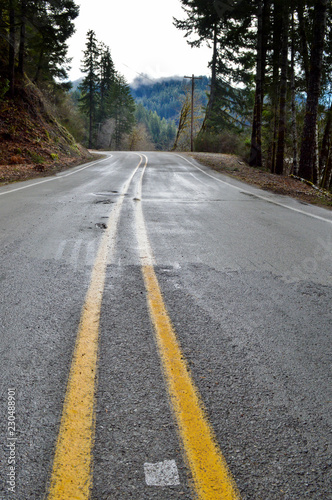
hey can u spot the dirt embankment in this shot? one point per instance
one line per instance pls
(32, 142)
(234, 166)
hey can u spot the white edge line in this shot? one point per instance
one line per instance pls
(55, 178)
(257, 195)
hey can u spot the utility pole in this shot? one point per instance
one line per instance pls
(193, 78)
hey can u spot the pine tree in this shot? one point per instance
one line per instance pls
(203, 20)
(52, 23)
(121, 107)
(36, 32)
(107, 79)
(90, 84)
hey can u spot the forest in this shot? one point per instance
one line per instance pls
(269, 93)
(270, 79)
(166, 95)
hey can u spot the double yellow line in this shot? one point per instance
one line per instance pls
(212, 478)
(72, 468)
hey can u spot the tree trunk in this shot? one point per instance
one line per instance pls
(255, 159)
(90, 114)
(275, 94)
(308, 146)
(316, 177)
(283, 94)
(295, 165)
(325, 152)
(183, 121)
(327, 177)
(303, 42)
(210, 104)
(11, 59)
(39, 66)
(21, 53)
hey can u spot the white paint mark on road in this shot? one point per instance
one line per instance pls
(162, 473)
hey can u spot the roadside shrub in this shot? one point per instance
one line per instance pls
(225, 142)
(36, 158)
(4, 87)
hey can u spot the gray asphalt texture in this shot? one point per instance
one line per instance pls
(248, 286)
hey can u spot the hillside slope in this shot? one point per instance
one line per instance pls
(166, 95)
(32, 142)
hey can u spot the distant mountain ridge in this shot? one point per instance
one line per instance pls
(164, 95)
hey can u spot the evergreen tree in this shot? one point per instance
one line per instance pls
(267, 31)
(121, 107)
(203, 21)
(160, 131)
(107, 79)
(90, 85)
(33, 36)
(53, 22)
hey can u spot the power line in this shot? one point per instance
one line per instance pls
(140, 74)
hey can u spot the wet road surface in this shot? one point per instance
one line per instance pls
(124, 278)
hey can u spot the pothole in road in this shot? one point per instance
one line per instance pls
(106, 193)
(104, 202)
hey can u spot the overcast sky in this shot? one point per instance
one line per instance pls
(141, 37)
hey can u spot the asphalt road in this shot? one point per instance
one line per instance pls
(246, 280)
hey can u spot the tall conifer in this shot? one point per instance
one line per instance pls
(90, 84)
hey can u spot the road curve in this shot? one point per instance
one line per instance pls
(109, 267)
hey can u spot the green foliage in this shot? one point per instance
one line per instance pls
(90, 85)
(161, 131)
(4, 87)
(104, 97)
(107, 80)
(281, 51)
(36, 158)
(231, 109)
(120, 106)
(37, 32)
(166, 95)
(51, 25)
(226, 142)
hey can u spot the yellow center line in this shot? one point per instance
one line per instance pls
(72, 466)
(210, 472)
